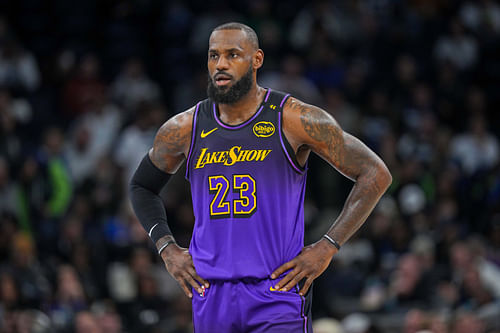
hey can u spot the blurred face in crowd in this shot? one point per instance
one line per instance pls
(461, 257)
(85, 322)
(467, 323)
(232, 63)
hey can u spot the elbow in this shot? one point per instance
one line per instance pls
(384, 177)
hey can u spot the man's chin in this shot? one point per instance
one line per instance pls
(222, 89)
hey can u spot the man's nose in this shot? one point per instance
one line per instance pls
(222, 63)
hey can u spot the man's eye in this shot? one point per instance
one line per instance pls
(234, 55)
(213, 56)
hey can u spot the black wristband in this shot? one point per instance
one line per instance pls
(164, 246)
(332, 241)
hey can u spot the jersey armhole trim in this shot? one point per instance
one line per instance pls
(287, 148)
(193, 138)
(284, 99)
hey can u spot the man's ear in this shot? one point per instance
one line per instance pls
(258, 59)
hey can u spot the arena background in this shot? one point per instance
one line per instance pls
(85, 84)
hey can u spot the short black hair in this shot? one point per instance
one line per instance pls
(251, 35)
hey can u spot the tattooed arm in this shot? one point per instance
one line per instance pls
(308, 128)
(172, 141)
(170, 149)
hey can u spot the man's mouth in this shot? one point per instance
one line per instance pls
(222, 79)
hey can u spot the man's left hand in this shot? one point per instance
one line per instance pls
(310, 263)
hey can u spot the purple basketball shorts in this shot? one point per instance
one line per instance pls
(251, 305)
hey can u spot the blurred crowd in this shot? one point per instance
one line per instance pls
(84, 85)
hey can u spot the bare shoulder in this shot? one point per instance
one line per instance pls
(171, 144)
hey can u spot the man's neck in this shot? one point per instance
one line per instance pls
(237, 113)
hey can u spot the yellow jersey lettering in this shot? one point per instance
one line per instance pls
(251, 155)
(242, 156)
(200, 164)
(231, 156)
(262, 155)
(213, 158)
(222, 157)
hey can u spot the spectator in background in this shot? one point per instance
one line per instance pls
(375, 123)
(347, 114)
(94, 134)
(28, 271)
(471, 268)
(132, 86)
(136, 138)
(32, 320)
(107, 317)
(86, 322)
(481, 16)
(477, 149)
(31, 195)
(10, 298)
(69, 298)
(10, 126)
(467, 322)
(419, 321)
(58, 179)
(457, 47)
(409, 285)
(81, 155)
(291, 78)
(18, 108)
(18, 68)
(104, 120)
(324, 19)
(83, 87)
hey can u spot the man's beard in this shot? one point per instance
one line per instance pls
(232, 94)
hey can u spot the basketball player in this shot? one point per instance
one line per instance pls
(246, 149)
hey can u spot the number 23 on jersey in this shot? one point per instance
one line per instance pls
(244, 203)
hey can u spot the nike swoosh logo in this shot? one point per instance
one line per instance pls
(204, 135)
(272, 289)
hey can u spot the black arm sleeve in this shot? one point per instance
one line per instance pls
(145, 186)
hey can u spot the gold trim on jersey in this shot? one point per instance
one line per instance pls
(231, 156)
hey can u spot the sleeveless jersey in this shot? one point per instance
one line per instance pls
(248, 193)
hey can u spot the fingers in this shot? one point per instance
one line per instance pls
(192, 282)
(198, 278)
(283, 268)
(286, 279)
(184, 287)
(306, 286)
(293, 282)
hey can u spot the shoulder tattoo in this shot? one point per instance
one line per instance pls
(172, 140)
(322, 128)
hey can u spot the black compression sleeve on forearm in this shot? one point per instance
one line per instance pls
(145, 186)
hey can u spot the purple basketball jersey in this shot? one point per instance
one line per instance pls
(247, 191)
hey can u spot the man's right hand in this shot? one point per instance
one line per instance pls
(179, 264)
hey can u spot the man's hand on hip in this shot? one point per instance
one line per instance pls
(309, 264)
(179, 264)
